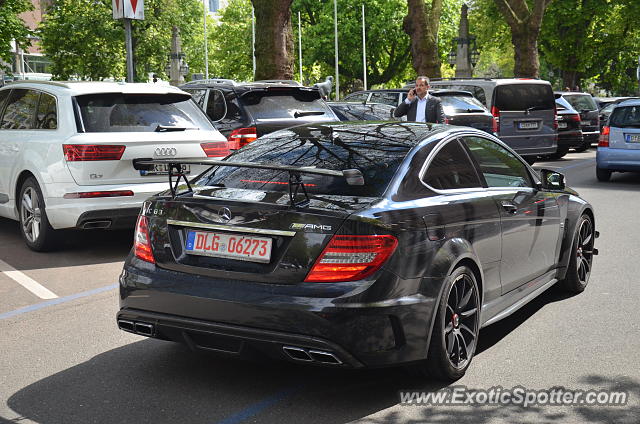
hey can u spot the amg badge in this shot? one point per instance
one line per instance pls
(313, 228)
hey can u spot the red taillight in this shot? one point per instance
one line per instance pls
(494, 126)
(142, 241)
(85, 152)
(351, 258)
(92, 194)
(240, 137)
(603, 140)
(216, 149)
(575, 117)
(496, 117)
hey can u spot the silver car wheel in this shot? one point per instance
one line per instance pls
(30, 214)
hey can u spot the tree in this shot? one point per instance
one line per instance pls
(421, 24)
(274, 39)
(525, 23)
(83, 40)
(12, 27)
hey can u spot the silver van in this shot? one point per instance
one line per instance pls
(523, 108)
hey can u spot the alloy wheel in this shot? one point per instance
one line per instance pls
(30, 214)
(461, 321)
(584, 251)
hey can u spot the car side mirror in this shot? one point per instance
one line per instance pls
(552, 180)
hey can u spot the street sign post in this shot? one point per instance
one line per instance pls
(128, 10)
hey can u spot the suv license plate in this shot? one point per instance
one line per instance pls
(163, 169)
(528, 125)
(562, 125)
(232, 246)
(632, 138)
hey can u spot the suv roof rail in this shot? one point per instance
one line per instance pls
(212, 81)
(64, 84)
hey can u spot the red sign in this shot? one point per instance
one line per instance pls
(128, 9)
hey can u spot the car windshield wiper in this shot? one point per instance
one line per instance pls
(166, 128)
(532, 108)
(299, 113)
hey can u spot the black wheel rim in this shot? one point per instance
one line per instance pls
(584, 251)
(461, 321)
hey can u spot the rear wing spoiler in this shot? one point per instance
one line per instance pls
(353, 176)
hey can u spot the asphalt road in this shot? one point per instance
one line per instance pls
(62, 360)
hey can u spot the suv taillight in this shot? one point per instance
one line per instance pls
(216, 149)
(87, 152)
(575, 117)
(351, 258)
(142, 241)
(496, 117)
(603, 140)
(240, 137)
(555, 119)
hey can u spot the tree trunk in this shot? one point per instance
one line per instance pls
(422, 24)
(571, 79)
(525, 27)
(274, 39)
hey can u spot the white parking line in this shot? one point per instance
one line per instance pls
(28, 283)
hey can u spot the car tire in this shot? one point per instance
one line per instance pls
(584, 147)
(560, 153)
(603, 175)
(581, 257)
(34, 223)
(454, 337)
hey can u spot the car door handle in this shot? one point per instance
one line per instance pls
(509, 207)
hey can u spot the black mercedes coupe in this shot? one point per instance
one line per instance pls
(353, 245)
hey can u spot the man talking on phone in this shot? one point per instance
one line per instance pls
(420, 106)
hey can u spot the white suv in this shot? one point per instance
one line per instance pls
(67, 151)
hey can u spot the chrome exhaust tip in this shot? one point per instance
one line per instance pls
(324, 357)
(96, 225)
(297, 353)
(144, 329)
(126, 325)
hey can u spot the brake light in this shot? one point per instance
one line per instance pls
(496, 116)
(575, 117)
(88, 152)
(92, 194)
(351, 258)
(240, 137)
(216, 149)
(603, 140)
(142, 241)
(494, 126)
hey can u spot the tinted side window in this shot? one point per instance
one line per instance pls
(198, 96)
(216, 106)
(47, 116)
(21, 107)
(3, 96)
(386, 98)
(520, 97)
(451, 169)
(499, 167)
(357, 97)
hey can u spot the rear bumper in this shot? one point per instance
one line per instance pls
(570, 139)
(262, 319)
(618, 159)
(591, 136)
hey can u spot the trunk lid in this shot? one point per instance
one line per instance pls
(296, 236)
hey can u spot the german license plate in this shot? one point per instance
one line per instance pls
(562, 125)
(163, 169)
(528, 125)
(632, 138)
(232, 246)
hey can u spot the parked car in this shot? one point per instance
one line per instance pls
(346, 111)
(244, 111)
(589, 116)
(569, 129)
(606, 110)
(67, 152)
(523, 108)
(602, 102)
(460, 107)
(355, 245)
(619, 145)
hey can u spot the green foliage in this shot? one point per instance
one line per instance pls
(95, 50)
(12, 27)
(493, 40)
(230, 53)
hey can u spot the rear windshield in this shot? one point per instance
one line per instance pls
(626, 116)
(521, 97)
(581, 101)
(117, 112)
(562, 104)
(378, 158)
(461, 104)
(278, 103)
